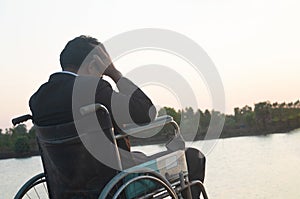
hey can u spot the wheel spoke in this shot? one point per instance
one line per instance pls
(36, 192)
(34, 188)
(46, 190)
(28, 196)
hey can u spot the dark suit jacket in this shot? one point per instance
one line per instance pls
(52, 103)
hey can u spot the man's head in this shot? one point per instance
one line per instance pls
(76, 51)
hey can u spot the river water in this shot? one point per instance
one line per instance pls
(237, 168)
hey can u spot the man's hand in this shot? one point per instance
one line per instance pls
(113, 73)
(103, 60)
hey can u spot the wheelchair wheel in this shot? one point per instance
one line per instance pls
(138, 183)
(36, 187)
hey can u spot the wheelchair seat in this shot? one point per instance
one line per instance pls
(169, 166)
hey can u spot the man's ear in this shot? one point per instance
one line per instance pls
(94, 69)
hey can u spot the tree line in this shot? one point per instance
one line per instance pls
(264, 118)
(18, 142)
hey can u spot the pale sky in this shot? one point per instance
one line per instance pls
(254, 44)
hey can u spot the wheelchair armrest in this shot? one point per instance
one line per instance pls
(132, 129)
(161, 119)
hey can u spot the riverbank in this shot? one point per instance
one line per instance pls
(242, 132)
(8, 155)
(266, 118)
(156, 140)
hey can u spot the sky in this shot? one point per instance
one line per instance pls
(253, 44)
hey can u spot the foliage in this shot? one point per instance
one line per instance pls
(18, 140)
(22, 145)
(264, 118)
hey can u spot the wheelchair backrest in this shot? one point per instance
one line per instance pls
(71, 170)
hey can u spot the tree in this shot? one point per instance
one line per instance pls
(296, 104)
(31, 132)
(22, 145)
(229, 122)
(246, 109)
(275, 105)
(189, 123)
(19, 130)
(172, 112)
(206, 118)
(262, 112)
(250, 119)
(237, 114)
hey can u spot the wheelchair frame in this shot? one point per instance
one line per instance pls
(173, 189)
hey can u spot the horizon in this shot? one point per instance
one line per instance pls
(29, 124)
(254, 45)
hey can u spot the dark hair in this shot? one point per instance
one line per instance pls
(76, 51)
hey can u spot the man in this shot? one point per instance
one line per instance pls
(86, 58)
(52, 103)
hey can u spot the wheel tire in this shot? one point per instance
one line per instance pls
(33, 186)
(115, 188)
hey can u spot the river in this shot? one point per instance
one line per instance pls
(237, 168)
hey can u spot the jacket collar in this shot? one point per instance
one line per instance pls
(62, 74)
(66, 72)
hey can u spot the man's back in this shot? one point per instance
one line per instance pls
(50, 105)
(54, 102)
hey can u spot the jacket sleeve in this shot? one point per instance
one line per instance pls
(128, 105)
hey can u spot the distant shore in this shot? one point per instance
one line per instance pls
(16, 155)
(201, 136)
(266, 118)
(151, 141)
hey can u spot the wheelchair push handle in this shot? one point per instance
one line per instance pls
(21, 119)
(92, 108)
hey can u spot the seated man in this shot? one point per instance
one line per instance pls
(52, 103)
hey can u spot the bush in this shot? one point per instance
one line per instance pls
(22, 145)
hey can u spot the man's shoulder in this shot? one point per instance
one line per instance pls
(95, 81)
(55, 82)
(32, 98)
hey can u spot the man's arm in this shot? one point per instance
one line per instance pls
(141, 108)
(130, 103)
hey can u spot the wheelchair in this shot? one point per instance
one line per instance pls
(70, 171)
